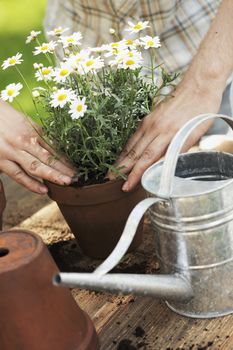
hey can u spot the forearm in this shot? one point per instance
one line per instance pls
(213, 63)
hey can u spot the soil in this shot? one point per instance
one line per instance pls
(126, 344)
(80, 182)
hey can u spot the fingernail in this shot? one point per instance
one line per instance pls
(74, 178)
(125, 187)
(66, 180)
(43, 190)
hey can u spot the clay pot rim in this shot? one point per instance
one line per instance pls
(86, 187)
(88, 195)
(36, 253)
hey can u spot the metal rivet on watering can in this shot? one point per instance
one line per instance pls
(194, 235)
(35, 314)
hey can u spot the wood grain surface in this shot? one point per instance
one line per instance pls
(122, 322)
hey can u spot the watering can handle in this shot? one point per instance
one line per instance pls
(170, 160)
(127, 236)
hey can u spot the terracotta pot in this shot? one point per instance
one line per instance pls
(2, 202)
(36, 315)
(97, 214)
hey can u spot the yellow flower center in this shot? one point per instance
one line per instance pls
(150, 43)
(62, 97)
(44, 47)
(114, 44)
(57, 30)
(79, 108)
(12, 61)
(130, 54)
(115, 51)
(129, 42)
(90, 63)
(10, 92)
(70, 40)
(64, 72)
(46, 71)
(137, 26)
(130, 62)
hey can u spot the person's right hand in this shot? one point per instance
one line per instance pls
(25, 157)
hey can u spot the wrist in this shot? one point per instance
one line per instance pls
(205, 80)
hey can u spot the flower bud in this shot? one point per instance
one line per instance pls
(36, 65)
(112, 31)
(35, 93)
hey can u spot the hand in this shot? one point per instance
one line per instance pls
(155, 132)
(24, 156)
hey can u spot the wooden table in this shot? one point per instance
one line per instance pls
(122, 322)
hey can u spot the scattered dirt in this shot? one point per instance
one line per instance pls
(139, 332)
(126, 344)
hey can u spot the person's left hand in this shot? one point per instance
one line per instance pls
(155, 132)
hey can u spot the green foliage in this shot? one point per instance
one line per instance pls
(117, 100)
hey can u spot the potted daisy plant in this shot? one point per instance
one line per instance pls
(93, 100)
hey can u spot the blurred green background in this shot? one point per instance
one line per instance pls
(17, 19)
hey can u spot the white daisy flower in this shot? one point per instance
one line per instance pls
(45, 48)
(45, 73)
(149, 41)
(115, 48)
(71, 40)
(74, 60)
(12, 61)
(60, 74)
(78, 108)
(130, 59)
(57, 31)
(129, 43)
(32, 36)
(130, 63)
(11, 91)
(61, 96)
(136, 28)
(92, 64)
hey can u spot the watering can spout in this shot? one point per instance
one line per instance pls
(170, 287)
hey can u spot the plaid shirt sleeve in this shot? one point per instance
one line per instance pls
(181, 24)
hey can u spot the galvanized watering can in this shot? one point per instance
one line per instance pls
(191, 209)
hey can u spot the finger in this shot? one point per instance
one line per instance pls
(130, 159)
(49, 159)
(133, 140)
(152, 153)
(34, 167)
(16, 172)
(61, 158)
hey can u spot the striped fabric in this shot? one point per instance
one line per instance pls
(181, 24)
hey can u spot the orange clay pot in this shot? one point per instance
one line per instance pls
(36, 315)
(97, 214)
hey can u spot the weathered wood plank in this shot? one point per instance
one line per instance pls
(21, 203)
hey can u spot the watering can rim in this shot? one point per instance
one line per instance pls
(159, 164)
